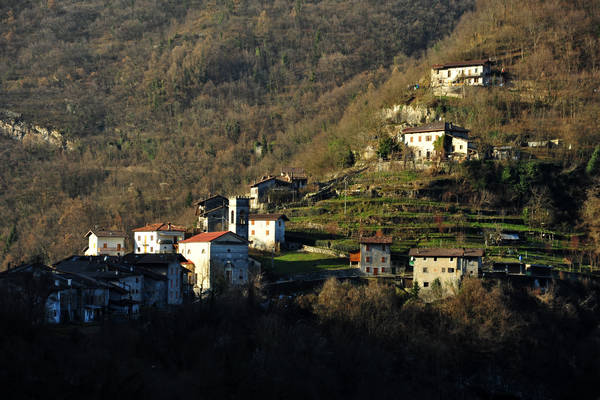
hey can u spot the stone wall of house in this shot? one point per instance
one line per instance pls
(12, 125)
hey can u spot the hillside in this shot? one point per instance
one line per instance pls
(166, 101)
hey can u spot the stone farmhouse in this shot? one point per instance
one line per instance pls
(105, 242)
(212, 213)
(296, 176)
(217, 256)
(267, 231)
(456, 142)
(267, 189)
(375, 255)
(157, 238)
(447, 79)
(449, 266)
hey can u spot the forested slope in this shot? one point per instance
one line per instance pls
(167, 100)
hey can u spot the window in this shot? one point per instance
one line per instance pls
(425, 270)
(138, 249)
(267, 233)
(139, 237)
(451, 258)
(449, 74)
(425, 284)
(229, 250)
(252, 232)
(252, 222)
(203, 251)
(382, 259)
(188, 251)
(461, 146)
(151, 237)
(267, 223)
(118, 246)
(434, 258)
(368, 269)
(450, 270)
(105, 245)
(443, 269)
(368, 259)
(412, 139)
(428, 138)
(151, 249)
(375, 270)
(424, 258)
(232, 217)
(382, 270)
(368, 248)
(419, 138)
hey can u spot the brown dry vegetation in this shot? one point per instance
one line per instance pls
(344, 341)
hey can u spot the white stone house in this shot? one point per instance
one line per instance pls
(104, 242)
(456, 142)
(217, 256)
(267, 231)
(375, 255)
(447, 265)
(445, 77)
(157, 238)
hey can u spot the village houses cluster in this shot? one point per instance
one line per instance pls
(168, 263)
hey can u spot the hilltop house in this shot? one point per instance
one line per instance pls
(267, 189)
(447, 78)
(267, 231)
(375, 255)
(217, 256)
(455, 139)
(212, 213)
(157, 238)
(104, 242)
(449, 266)
(295, 176)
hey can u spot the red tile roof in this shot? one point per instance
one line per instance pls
(205, 237)
(160, 226)
(267, 217)
(440, 252)
(435, 127)
(376, 240)
(460, 64)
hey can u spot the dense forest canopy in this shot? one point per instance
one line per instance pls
(167, 100)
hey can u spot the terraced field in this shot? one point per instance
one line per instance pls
(420, 210)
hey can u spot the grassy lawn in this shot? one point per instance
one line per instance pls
(300, 262)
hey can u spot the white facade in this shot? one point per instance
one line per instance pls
(421, 140)
(217, 255)
(105, 244)
(267, 231)
(158, 240)
(457, 74)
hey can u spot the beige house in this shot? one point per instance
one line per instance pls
(421, 140)
(447, 78)
(447, 265)
(103, 242)
(375, 255)
(267, 231)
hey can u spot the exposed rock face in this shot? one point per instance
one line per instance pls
(407, 114)
(12, 125)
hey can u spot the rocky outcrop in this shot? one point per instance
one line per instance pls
(408, 114)
(13, 126)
